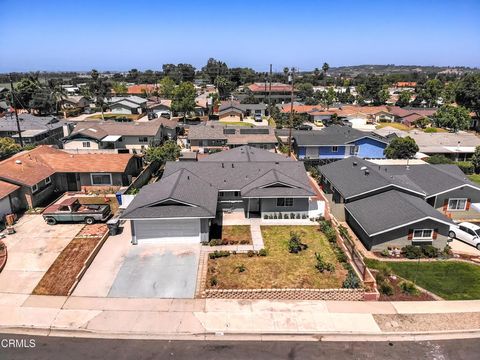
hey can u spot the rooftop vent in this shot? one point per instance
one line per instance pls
(367, 172)
(223, 165)
(233, 166)
(19, 162)
(355, 163)
(276, 163)
(363, 168)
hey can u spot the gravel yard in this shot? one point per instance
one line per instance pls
(427, 322)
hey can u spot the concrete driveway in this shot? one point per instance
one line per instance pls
(158, 271)
(31, 251)
(461, 247)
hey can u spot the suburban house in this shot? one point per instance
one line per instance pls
(206, 138)
(278, 92)
(397, 205)
(123, 136)
(45, 172)
(337, 142)
(127, 104)
(8, 194)
(459, 146)
(234, 111)
(75, 102)
(35, 129)
(191, 194)
(142, 89)
(408, 115)
(159, 107)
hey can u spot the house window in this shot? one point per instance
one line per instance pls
(457, 204)
(236, 193)
(101, 179)
(422, 234)
(34, 188)
(334, 148)
(143, 139)
(48, 180)
(285, 202)
(86, 144)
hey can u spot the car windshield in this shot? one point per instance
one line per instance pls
(477, 232)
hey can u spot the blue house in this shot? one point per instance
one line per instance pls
(338, 142)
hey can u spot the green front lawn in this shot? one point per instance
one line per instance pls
(451, 280)
(475, 178)
(280, 268)
(236, 123)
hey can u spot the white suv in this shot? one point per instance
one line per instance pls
(467, 232)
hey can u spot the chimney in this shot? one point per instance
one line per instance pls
(188, 177)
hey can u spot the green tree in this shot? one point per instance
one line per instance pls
(325, 68)
(401, 148)
(224, 86)
(100, 90)
(329, 97)
(168, 151)
(476, 159)
(449, 92)
(167, 87)
(57, 92)
(42, 101)
(468, 93)
(184, 99)
(286, 70)
(305, 91)
(24, 91)
(404, 98)
(452, 117)
(430, 93)
(422, 123)
(215, 68)
(119, 87)
(8, 147)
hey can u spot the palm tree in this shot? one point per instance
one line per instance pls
(286, 70)
(100, 90)
(57, 92)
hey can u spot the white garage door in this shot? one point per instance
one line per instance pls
(173, 231)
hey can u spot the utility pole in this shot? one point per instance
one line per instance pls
(16, 114)
(291, 115)
(270, 92)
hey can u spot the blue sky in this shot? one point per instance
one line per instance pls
(120, 35)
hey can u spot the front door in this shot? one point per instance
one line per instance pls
(72, 182)
(254, 206)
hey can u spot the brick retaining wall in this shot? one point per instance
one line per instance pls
(287, 294)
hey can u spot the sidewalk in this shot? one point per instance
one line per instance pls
(173, 318)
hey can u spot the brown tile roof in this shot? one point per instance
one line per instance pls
(30, 167)
(7, 188)
(405, 84)
(141, 88)
(346, 110)
(276, 87)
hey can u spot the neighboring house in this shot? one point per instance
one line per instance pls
(124, 136)
(142, 89)
(398, 205)
(278, 92)
(160, 107)
(206, 138)
(408, 115)
(181, 206)
(337, 142)
(459, 146)
(9, 199)
(35, 129)
(234, 111)
(127, 104)
(45, 172)
(75, 102)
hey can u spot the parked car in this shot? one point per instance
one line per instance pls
(258, 117)
(304, 127)
(466, 232)
(70, 210)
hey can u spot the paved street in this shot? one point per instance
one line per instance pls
(79, 349)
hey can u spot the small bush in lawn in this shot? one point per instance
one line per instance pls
(324, 225)
(213, 281)
(352, 281)
(251, 253)
(331, 235)
(412, 252)
(241, 268)
(294, 244)
(384, 269)
(262, 252)
(385, 289)
(218, 254)
(340, 254)
(214, 242)
(409, 288)
(430, 251)
(322, 265)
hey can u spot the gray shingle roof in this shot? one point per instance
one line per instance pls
(332, 135)
(391, 209)
(350, 180)
(183, 195)
(29, 122)
(240, 135)
(245, 154)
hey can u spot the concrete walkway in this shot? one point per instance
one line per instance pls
(127, 317)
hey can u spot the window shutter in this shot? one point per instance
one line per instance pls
(468, 205)
(410, 234)
(434, 235)
(445, 205)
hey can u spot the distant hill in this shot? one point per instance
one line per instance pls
(397, 69)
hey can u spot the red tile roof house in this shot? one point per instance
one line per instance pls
(408, 116)
(44, 173)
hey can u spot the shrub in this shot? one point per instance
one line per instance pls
(412, 252)
(243, 242)
(430, 251)
(385, 253)
(343, 232)
(214, 242)
(466, 166)
(447, 251)
(213, 281)
(438, 159)
(265, 216)
(241, 268)
(351, 281)
(218, 254)
(431, 130)
(322, 265)
(250, 253)
(280, 215)
(385, 289)
(409, 288)
(262, 252)
(341, 256)
(294, 244)
(285, 216)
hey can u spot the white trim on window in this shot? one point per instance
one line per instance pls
(100, 174)
(422, 234)
(34, 188)
(457, 202)
(48, 180)
(86, 144)
(287, 202)
(334, 149)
